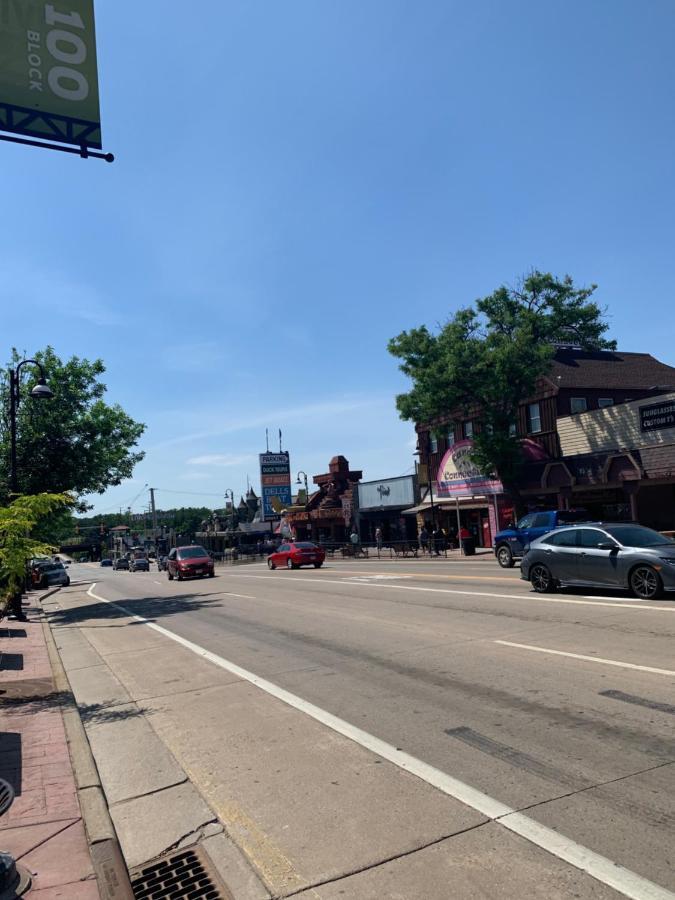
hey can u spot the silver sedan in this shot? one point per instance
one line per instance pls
(622, 555)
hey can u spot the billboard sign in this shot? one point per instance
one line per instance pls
(275, 483)
(48, 71)
(389, 493)
(458, 475)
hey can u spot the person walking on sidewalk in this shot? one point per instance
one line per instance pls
(424, 540)
(378, 538)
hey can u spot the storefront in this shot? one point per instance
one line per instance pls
(462, 497)
(381, 504)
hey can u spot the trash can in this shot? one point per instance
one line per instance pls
(469, 546)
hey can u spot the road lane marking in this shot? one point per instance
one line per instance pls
(628, 883)
(157, 582)
(595, 659)
(429, 590)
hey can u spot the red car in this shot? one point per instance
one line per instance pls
(189, 562)
(301, 553)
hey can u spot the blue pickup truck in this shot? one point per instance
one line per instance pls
(510, 543)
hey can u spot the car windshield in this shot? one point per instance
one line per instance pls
(637, 536)
(192, 553)
(305, 545)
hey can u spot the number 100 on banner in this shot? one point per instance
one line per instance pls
(48, 71)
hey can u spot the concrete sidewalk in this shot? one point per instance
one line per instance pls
(43, 829)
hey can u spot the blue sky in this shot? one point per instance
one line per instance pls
(297, 182)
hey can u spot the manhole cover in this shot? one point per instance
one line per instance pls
(6, 796)
(180, 875)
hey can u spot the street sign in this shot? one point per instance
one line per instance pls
(48, 71)
(275, 483)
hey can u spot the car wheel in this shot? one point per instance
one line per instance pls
(290, 564)
(179, 576)
(646, 583)
(317, 565)
(212, 574)
(270, 564)
(505, 557)
(170, 576)
(67, 582)
(541, 579)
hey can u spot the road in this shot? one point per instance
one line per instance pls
(560, 707)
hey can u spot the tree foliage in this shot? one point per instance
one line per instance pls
(18, 542)
(486, 360)
(74, 442)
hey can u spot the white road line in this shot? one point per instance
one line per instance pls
(599, 867)
(595, 659)
(408, 587)
(157, 582)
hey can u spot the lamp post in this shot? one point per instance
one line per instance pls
(41, 391)
(298, 481)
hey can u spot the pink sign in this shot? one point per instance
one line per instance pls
(457, 474)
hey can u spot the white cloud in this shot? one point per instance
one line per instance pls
(220, 459)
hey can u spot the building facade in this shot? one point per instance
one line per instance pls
(585, 395)
(382, 504)
(328, 515)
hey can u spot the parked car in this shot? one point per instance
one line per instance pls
(189, 562)
(106, 562)
(140, 564)
(510, 543)
(621, 555)
(297, 554)
(53, 573)
(121, 563)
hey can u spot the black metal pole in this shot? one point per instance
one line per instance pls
(83, 151)
(13, 401)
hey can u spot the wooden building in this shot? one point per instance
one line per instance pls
(579, 384)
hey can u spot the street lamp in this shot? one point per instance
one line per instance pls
(41, 391)
(299, 481)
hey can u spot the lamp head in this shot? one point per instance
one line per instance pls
(41, 391)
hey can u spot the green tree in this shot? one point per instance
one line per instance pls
(18, 543)
(74, 442)
(486, 360)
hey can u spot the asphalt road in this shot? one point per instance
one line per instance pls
(561, 706)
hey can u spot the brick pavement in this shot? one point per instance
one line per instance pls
(43, 829)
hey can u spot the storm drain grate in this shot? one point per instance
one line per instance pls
(6, 796)
(181, 875)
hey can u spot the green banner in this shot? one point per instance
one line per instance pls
(48, 73)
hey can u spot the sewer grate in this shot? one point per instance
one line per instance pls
(6, 796)
(179, 875)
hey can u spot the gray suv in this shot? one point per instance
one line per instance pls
(622, 555)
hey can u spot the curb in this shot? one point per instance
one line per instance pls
(106, 855)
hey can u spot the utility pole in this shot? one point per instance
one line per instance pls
(154, 513)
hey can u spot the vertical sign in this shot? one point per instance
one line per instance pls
(275, 483)
(48, 71)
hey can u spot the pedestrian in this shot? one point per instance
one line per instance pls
(354, 538)
(378, 538)
(424, 540)
(437, 540)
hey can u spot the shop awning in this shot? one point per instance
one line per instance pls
(468, 501)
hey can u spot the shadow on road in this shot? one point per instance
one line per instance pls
(150, 608)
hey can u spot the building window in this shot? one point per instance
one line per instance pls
(513, 429)
(450, 436)
(578, 405)
(433, 443)
(605, 401)
(468, 429)
(533, 418)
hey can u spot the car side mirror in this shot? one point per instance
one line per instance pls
(607, 545)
